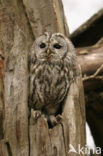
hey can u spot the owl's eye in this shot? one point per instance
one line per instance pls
(57, 46)
(42, 45)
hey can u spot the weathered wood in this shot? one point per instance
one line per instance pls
(91, 61)
(16, 40)
(1, 92)
(74, 117)
(4, 149)
(46, 16)
(45, 141)
(91, 58)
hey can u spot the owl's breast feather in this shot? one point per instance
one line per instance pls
(51, 84)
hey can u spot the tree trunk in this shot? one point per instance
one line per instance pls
(21, 22)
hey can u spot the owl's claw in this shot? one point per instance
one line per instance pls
(55, 120)
(35, 114)
(59, 118)
(52, 120)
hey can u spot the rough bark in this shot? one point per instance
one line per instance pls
(21, 22)
(91, 58)
(1, 93)
(47, 16)
(15, 39)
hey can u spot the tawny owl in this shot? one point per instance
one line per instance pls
(52, 68)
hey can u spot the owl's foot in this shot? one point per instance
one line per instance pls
(59, 118)
(55, 120)
(35, 114)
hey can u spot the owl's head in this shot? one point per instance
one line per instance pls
(49, 47)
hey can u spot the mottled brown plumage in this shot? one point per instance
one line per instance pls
(51, 72)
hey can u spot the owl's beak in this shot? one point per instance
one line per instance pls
(47, 52)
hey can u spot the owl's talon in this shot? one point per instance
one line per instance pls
(59, 118)
(53, 120)
(35, 115)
